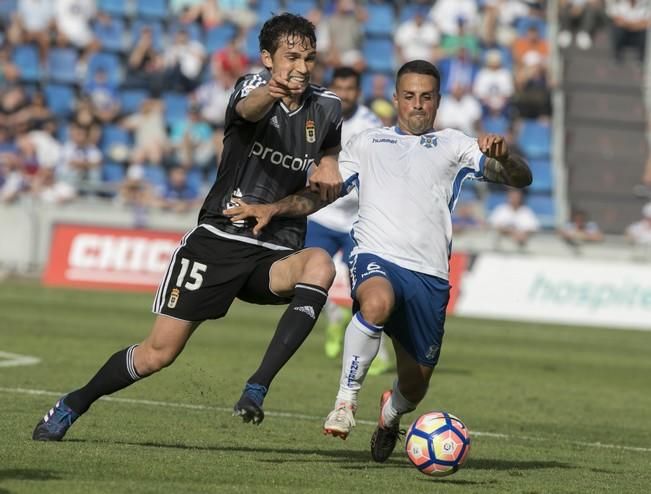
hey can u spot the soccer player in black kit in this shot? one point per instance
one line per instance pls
(278, 126)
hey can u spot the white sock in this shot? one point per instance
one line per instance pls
(396, 406)
(361, 344)
(383, 353)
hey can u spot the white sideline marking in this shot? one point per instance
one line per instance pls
(13, 359)
(189, 406)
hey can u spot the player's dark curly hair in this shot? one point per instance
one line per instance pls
(345, 73)
(285, 25)
(419, 67)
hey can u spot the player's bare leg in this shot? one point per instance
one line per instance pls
(408, 390)
(305, 276)
(164, 343)
(361, 344)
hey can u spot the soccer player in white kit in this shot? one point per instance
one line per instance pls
(408, 179)
(330, 227)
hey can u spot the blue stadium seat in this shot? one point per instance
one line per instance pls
(218, 37)
(543, 206)
(367, 85)
(300, 7)
(114, 7)
(110, 62)
(378, 54)
(212, 175)
(112, 135)
(522, 24)
(7, 7)
(62, 130)
(380, 21)
(111, 36)
(26, 59)
(176, 107)
(541, 169)
(155, 175)
(112, 172)
(407, 12)
(152, 9)
(156, 31)
(60, 99)
(132, 98)
(252, 44)
(193, 29)
(495, 124)
(265, 8)
(62, 65)
(535, 139)
(194, 178)
(494, 199)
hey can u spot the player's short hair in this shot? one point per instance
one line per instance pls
(346, 73)
(419, 67)
(285, 25)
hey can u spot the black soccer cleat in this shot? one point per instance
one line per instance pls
(249, 406)
(384, 439)
(56, 422)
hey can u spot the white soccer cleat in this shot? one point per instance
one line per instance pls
(340, 422)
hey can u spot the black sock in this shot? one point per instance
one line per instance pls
(117, 373)
(294, 326)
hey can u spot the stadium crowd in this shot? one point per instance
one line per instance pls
(123, 100)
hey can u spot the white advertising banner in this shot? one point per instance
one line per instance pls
(565, 291)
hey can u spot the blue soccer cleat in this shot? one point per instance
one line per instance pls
(249, 406)
(56, 422)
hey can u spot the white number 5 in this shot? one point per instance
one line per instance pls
(195, 274)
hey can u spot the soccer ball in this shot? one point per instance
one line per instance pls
(437, 443)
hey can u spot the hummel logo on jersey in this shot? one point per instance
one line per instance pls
(274, 121)
(306, 309)
(428, 141)
(388, 141)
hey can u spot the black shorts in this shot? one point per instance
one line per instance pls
(207, 272)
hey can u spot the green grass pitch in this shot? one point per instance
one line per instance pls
(550, 408)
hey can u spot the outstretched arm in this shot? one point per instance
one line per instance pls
(501, 166)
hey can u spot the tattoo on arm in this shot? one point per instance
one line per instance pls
(512, 171)
(302, 203)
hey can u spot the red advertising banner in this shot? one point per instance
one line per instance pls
(100, 257)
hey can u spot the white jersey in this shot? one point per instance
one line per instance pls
(341, 214)
(408, 186)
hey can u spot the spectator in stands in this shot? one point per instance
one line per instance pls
(9, 73)
(499, 20)
(640, 232)
(213, 13)
(513, 219)
(192, 141)
(136, 193)
(13, 100)
(178, 196)
(532, 98)
(459, 110)
(466, 217)
(84, 117)
(183, 61)
(150, 137)
(464, 38)
(459, 69)
(494, 84)
(33, 114)
(447, 13)
(103, 96)
(630, 20)
(579, 230)
(38, 149)
(73, 27)
(580, 16)
(532, 42)
(144, 64)
(80, 160)
(32, 23)
(417, 38)
(230, 62)
(12, 179)
(48, 188)
(341, 35)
